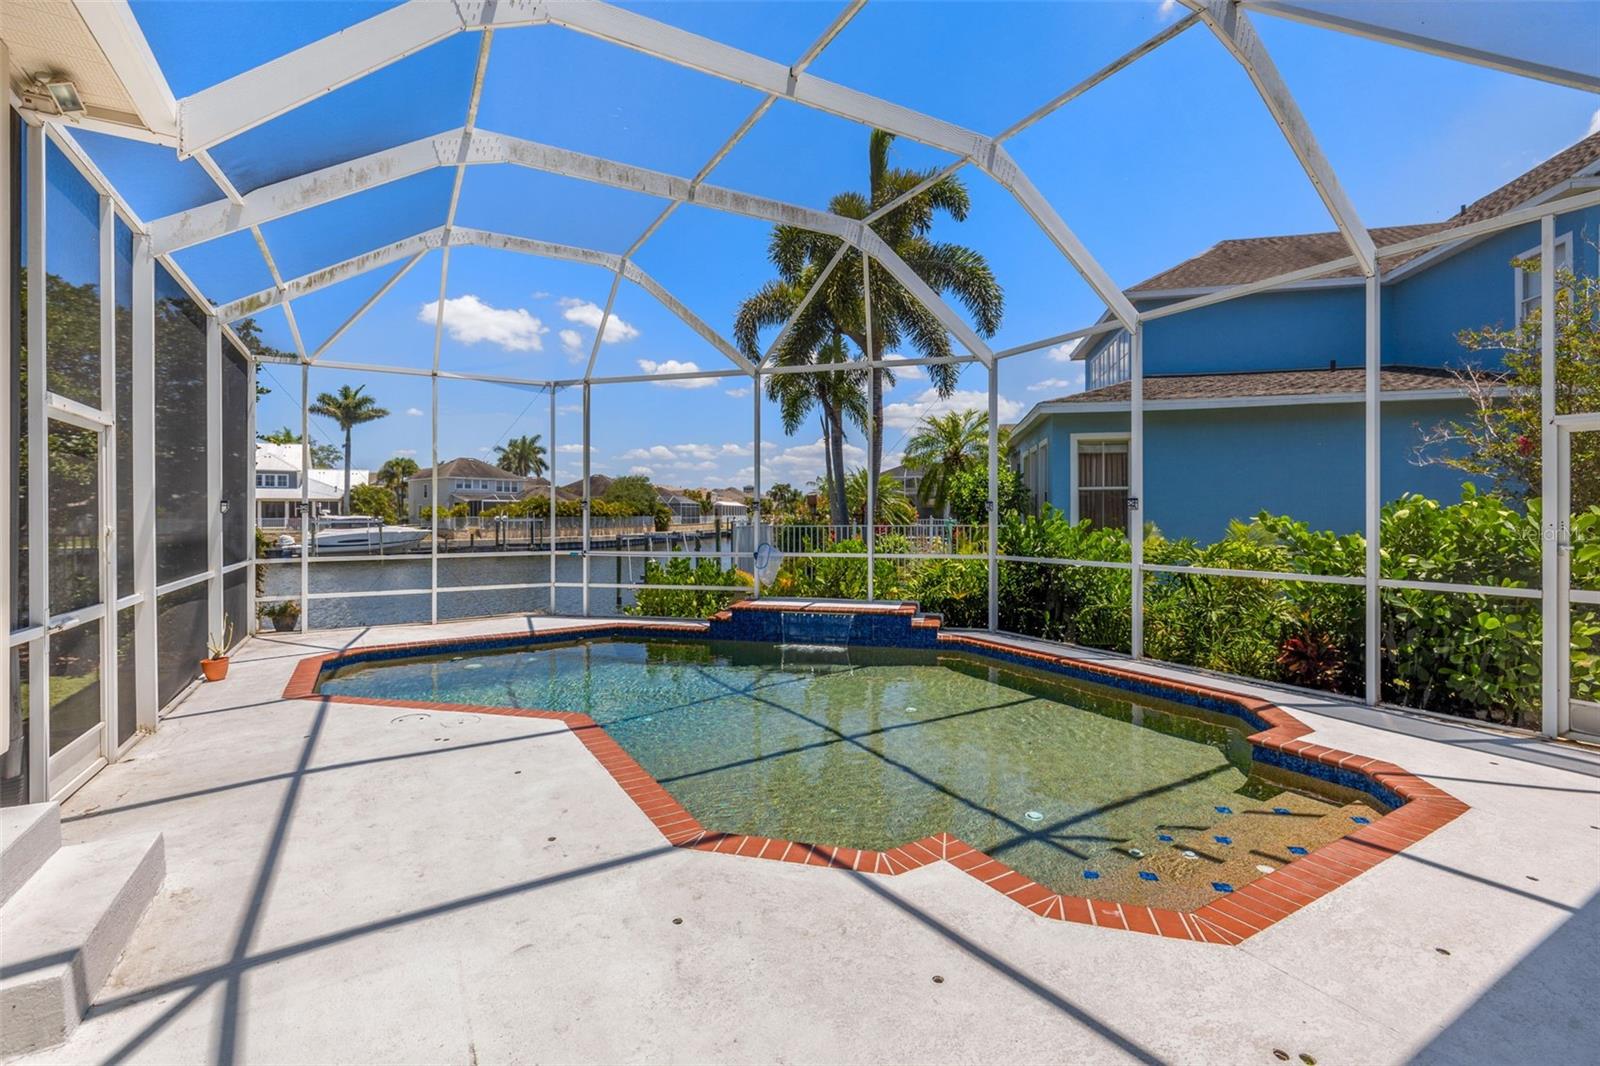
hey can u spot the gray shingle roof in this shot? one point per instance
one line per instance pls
(465, 467)
(1268, 383)
(1238, 262)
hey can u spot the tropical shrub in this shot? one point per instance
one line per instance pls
(686, 603)
(373, 500)
(1456, 653)
(1078, 604)
(968, 493)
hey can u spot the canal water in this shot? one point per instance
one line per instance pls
(394, 589)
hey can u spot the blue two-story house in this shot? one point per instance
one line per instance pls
(1256, 403)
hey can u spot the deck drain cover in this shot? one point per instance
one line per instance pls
(408, 718)
(1034, 816)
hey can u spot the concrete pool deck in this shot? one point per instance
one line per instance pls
(363, 883)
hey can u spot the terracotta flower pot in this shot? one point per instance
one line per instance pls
(214, 669)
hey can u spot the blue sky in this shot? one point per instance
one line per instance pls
(1149, 168)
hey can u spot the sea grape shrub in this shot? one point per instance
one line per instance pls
(1077, 604)
(687, 602)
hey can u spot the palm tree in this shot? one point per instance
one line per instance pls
(899, 320)
(942, 446)
(349, 408)
(835, 396)
(894, 507)
(522, 456)
(394, 473)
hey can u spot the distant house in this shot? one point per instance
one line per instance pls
(1256, 403)
(911, 481)
(278, 486)
(685, 509)
(473, 482)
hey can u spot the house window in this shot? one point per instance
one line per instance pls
(1112, 364)
(1528, 281)
(1100, 492)
(1036, 474)
(272, 481)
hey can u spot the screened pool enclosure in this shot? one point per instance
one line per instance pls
(227, 235)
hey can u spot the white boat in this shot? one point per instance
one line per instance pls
(358, 533)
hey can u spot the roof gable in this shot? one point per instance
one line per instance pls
(1245, 260)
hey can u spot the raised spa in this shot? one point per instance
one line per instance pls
(1083, 788)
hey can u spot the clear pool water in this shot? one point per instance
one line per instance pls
(1077, 786)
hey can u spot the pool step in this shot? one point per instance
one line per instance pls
(29, 835)
(1231, 852)
(65, 927)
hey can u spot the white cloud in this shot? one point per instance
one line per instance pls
(414, 412)
(1072, 382)
(1062, 353)
(1056, 385)
(572, 341)
(570, 409)
(645, 470)
(907, 415)
(739, 393)
(673, 366)
(570, 449)
(1594, 123)
(470, 320)
(1167, 8)
(809, 460)
(408, 452)
(655, 451)
(585, 313)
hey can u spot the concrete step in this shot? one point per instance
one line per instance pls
(29, 835)
(63, 931)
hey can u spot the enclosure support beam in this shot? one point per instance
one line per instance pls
(876, 383)
(250, 493)
(1372, 520)
(994, 497)
(755, 508)
(38, 473)
(8, 437)
(1136, 508)
(1333, 20)
(214, 606)
(305, 495)
(110, 676)
(433, 492)
(1554, 656)
(586, 499)
(1233, 28)
(146, 687)
(552, 472)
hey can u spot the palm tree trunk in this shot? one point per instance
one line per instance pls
(346, 469)
(828, 473)
(875, 460)
(837, 504)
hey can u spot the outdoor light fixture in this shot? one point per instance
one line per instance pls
(65, 94)
(222, 505)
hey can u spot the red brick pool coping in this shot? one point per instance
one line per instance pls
(1229, 919)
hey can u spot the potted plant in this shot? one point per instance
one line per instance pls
(215, 665)
(285, 615)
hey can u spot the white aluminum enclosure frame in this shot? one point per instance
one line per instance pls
(44, 408)
(198, 123)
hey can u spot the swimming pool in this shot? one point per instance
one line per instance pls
(1079, 787)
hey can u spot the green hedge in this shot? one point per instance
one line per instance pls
(1452, 652)
(686, 603)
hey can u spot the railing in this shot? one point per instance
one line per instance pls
(931, 536)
